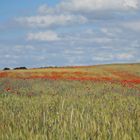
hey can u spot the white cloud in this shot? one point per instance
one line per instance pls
(125, 56)
(64, 12)
(113, 56)
(43, 36)
(111, 32)
(103, 57)
(20, 47)
(40, 58)
(133, 25)
(83, 37)
(95, 28)
(51, 20)
(91, 5)
(88, 36)
(74, 51)
(45, 9)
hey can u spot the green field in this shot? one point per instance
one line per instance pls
(46, 109)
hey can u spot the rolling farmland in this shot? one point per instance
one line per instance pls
(71, 103)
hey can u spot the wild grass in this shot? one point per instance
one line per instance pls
(68, 110)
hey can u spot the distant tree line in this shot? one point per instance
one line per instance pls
(6, 69)
(24, 68)
(20, 68)
(17, 68)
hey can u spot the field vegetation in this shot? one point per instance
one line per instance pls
(71, 103)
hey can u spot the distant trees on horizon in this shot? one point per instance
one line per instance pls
(6, 68)
(17, 68)
(20, 68)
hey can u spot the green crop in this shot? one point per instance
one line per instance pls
(65, 110)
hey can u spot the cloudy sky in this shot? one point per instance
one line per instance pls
(35, 33)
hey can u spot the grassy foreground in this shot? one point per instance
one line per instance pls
(65, 110)
(81, 103)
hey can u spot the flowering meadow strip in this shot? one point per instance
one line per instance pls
(123, 74)
(123, 78)
(3, 74)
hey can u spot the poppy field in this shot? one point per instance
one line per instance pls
(71, 103)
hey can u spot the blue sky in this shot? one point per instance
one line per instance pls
(36, 33)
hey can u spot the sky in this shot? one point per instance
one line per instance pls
(39, 33)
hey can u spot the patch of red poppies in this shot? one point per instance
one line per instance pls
(3, 74)
(122, 78)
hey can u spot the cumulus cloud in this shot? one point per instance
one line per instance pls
(125, 56)
(45, 9)
(103, 57)
(43, 36)
(133, 25)
(51, 20)
(23, 47)
(115, 56)
(64, 12)
(81, 37)
(111, 32)
(88, 37)
(91, 5)
(86, 32)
